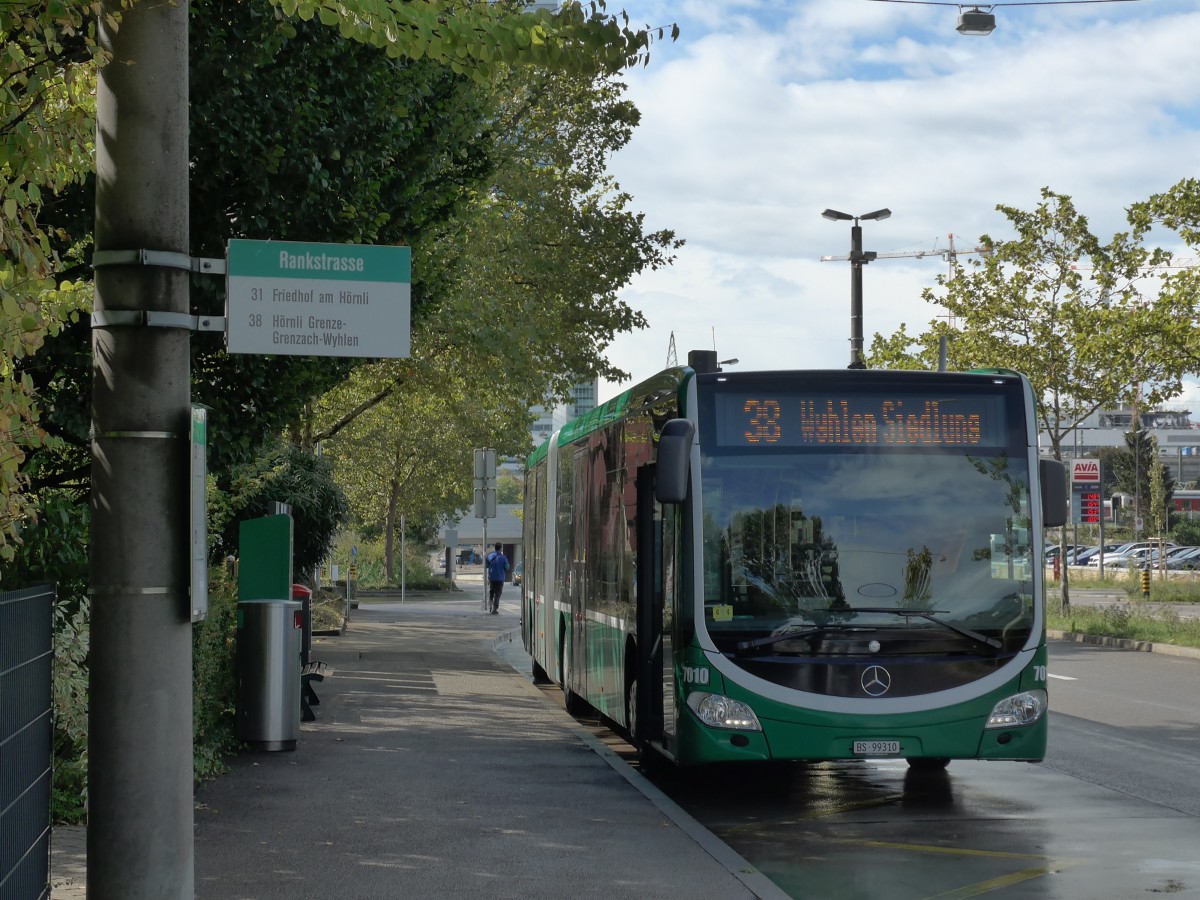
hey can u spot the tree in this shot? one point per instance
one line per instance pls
(302, 133)
(411, 455)
(303, 481)
(537, 260)
(46, 129)
(475, 38)
(1160, 496)
(1178, 209)
(509, 489)
(1083, 342)
(1138, 471)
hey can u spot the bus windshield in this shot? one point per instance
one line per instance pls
(802, 545)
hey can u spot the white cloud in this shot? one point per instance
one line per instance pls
(765, 113)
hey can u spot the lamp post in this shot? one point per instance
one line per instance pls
(976, 21)
(858, 259)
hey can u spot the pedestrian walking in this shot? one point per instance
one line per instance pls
(497, 566)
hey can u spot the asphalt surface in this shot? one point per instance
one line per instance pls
(434, 770)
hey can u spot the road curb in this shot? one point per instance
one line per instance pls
(1123, 643)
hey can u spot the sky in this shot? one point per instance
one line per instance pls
(766, 112)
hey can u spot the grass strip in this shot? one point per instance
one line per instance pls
(1126, 620)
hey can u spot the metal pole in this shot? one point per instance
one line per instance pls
(403, 558)
(856, 297)
(485, 578)
(1135, 422)
(140, 831)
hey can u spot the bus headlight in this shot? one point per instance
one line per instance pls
(718, 711)
(1020, 709)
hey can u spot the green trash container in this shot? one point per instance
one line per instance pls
(269, 634)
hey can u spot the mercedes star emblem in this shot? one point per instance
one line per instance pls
(876, 680)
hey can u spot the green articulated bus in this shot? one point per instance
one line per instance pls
(807, 565)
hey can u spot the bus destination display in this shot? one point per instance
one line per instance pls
(859, 420)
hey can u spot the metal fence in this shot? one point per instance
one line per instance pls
(26, 732)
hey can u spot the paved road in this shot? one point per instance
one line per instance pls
(1113, 813)
(1128, 721)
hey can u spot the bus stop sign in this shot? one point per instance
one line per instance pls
(296, 299)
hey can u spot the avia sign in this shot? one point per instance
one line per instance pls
(1085, 471)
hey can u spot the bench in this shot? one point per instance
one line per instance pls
(310, 672)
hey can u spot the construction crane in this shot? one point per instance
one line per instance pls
(950, 254)
(1183, 262)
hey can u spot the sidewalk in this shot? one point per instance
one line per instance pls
(434, 770)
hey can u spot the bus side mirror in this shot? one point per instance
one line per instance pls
(674, 461)
(1055, 499)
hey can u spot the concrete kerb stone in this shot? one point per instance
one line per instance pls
(1123, 643)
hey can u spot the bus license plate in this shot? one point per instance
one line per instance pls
(876, 748)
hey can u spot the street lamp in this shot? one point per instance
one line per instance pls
(976, 21)
(858, 259)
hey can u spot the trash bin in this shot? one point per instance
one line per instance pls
(268, 673)
(304, 594)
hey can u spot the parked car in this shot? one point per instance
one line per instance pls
(1141, 556)
(1135, 558)
(1127, 548)
(1188, 559)
(1084, 556)
(518, 574)
(1054, 550)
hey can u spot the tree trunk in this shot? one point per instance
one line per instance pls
(1066, 590)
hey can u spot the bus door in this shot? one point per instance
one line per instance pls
(653, 666)
(571, 597)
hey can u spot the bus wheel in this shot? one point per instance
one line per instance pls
(647, 757)
(631, 722)
(571, 701)
(929, 763)
(539, 674)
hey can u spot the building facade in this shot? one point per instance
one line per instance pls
(1177, 436)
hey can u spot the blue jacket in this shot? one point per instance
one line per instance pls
(497, 565)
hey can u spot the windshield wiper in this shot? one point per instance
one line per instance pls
(786, 636)
(908, 612)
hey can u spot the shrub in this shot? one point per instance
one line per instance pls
(214, 642)
(285, 475)
(328, 611)
(70, 692)
(213, 694)
(371, 569)
(54, 550)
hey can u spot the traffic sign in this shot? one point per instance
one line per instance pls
(297, 299)
(485, 488)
